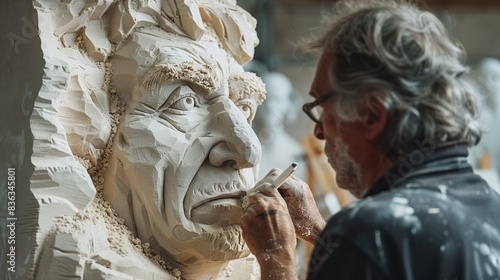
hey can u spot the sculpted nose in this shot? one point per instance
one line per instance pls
(239, 147)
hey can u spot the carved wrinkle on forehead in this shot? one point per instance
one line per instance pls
(204, 75)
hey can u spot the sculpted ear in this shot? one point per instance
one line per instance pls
(374, 114)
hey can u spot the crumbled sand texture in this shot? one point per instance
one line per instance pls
(100, 212)
(247, 85)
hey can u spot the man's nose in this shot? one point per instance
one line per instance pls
(239, 147)
(318, 131)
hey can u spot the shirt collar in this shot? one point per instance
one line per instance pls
(414, 161)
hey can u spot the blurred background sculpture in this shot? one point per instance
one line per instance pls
(485, 157)
(281, 107)
(143, 145)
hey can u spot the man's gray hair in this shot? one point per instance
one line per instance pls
(407, 54)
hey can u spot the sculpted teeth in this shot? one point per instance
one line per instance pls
(219, 189)
(226, 207)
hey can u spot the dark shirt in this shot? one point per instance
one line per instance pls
(429, 217)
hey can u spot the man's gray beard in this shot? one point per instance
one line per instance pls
(348, 171)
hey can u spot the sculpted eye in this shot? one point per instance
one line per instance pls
(185, 103)
(247, 108)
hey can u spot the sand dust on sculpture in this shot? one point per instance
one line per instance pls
(100, 214)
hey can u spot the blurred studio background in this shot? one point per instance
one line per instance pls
(286, 133)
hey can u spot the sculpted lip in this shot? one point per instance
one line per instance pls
(221, 210)
(214, 197)
(223, 196)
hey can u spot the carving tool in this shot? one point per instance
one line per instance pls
(285, 174)
(281, 178)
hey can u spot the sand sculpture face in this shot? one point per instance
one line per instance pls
(184, 151)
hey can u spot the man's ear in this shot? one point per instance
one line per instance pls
(374, 115)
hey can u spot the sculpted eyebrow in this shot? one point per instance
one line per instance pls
(204, 76)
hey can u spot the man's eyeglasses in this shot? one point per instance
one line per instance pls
(313, 110)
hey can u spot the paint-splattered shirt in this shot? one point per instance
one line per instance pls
(430, 217)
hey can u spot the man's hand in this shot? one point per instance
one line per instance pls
(269, 233)
(307, 220)
(271, 216)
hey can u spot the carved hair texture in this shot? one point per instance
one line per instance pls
(99, 30)
(395, 48)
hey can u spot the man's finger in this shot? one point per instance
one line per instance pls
(264, 214)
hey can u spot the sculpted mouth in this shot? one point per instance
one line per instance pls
(220, 211)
